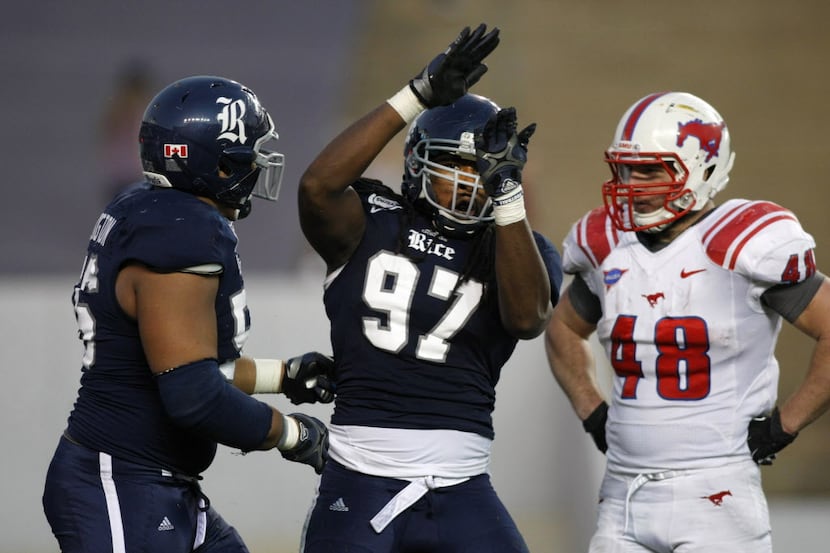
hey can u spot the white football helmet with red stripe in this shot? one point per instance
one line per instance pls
(684, 135)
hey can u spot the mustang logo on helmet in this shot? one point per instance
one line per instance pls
(708, 134)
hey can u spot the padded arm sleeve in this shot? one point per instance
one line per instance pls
(197, 397)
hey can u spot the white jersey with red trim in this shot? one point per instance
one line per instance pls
(685, 331)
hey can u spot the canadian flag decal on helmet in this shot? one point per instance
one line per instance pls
(171, 150)
(708, 134)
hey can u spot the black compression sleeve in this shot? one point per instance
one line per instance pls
(584, 301)
(789, 300)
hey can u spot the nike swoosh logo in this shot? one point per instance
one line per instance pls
(687, 274)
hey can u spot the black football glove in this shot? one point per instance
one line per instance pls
(451, 73)
(767, 437)
(501, 153)
(313, 446)
(595, 426)
(309, 378)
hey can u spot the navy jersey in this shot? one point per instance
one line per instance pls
(118, 409)
(414, 349)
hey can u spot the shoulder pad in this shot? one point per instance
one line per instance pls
(365, 187)
(376, 196)
(759, 239)
(178, 235)
(589, 241)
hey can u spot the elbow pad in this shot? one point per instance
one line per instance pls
(197, 397)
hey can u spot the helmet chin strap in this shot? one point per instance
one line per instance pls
(245, 210)
(453, 229)
(446, 225)
(680, 208)
(660, 228)
(640, 220)
(657, 229)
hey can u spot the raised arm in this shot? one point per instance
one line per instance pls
(523, 281)
(330, 212)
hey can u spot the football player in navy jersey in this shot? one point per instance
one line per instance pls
(428, 292)
(162, 314)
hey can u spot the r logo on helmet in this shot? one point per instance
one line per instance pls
(231, 119)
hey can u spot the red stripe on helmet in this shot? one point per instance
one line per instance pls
(638, 110)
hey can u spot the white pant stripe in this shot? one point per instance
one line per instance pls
(201, 525)
(113, 507)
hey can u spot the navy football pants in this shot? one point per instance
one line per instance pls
(465, 518)
(98, 504)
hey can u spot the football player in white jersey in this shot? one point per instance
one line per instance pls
(687, 300)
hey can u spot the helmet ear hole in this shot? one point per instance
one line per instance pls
(708, 172)
(224, 168)
(236, 161)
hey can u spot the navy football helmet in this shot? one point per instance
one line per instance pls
(434, 135)
(205, 135)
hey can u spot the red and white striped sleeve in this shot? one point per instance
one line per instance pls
(760, 240)
(589, 242)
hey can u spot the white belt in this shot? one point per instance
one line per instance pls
(640, 480)
(405, 498)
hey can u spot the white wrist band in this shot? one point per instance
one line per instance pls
(510, 208)
(406, 104)
(268, 376)
(290, 434)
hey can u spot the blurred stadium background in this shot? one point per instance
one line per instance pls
(573, 66)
